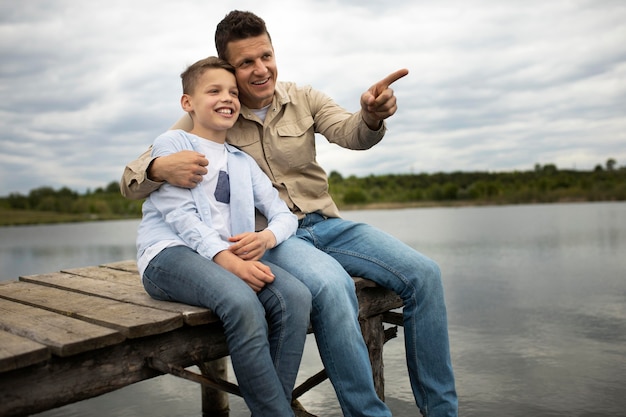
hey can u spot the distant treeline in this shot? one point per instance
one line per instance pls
(544, 184)
(47, 205)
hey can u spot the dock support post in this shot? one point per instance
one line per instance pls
(214, 401)
(374, 336)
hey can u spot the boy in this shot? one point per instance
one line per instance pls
(185, 242)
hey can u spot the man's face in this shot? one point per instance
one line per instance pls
(256, 72)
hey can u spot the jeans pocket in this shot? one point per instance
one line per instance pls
(154, 290)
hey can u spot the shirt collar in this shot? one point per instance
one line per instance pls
(281, 97)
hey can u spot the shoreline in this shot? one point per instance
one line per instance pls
(15, 218)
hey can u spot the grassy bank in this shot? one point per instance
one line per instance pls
(9, 217)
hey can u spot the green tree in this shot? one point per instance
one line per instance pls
(113, 187)
(334, 177)
(610, 164)
(18, 201)
(354, 196)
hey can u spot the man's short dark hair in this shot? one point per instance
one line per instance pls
(235, 26)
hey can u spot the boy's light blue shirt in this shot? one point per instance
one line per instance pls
(181, 216)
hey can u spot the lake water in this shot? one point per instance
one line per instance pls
(536, 299)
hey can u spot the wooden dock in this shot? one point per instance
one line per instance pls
(79, 333)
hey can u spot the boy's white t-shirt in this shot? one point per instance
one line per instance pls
(217, 186)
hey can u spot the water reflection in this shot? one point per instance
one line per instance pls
(536, 298)
(26, 250)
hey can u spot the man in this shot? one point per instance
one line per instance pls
(277, 127)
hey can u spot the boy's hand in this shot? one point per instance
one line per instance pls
(253, 273)
(251, 246)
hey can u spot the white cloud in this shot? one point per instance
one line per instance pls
(493, 85)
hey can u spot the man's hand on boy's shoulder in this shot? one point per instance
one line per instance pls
(182, 169)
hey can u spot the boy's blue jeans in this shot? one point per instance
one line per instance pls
(265, 358)
(357, 249)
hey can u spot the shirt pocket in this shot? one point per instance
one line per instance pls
(296, 142)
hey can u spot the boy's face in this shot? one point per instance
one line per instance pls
(214, 101)
(255, 65)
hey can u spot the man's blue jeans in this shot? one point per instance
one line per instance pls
(265, 361)
(358, 249)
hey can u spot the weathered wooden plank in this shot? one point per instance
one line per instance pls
(360, 283)
(62, 381)
(129, 319)
(127, 265)
(374, 300)
(18, 352)
(121, 286)
(63, 335)
(107, 274)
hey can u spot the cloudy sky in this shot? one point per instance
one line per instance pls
(494, 85)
